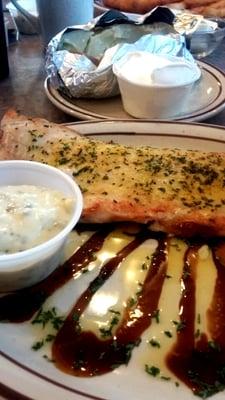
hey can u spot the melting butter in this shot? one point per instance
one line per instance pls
(205, 284)
(168, 312)
(124, 284)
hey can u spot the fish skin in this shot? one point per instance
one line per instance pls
(177, 191)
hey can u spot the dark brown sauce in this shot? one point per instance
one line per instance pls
(21, 306)
(83, 353)
(179, 358)
(195, 359)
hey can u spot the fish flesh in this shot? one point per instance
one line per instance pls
(177, 191)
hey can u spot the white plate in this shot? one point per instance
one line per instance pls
(206, 100)
(24, 372)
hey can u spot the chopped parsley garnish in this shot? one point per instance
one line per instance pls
(38, 345)
(96, 284)
(205, 389)
(165, 378)
(125, 350)
(76, 316)
(197, 333)
(105, 332)
(153, 371)
(168, 334)
(114, 311)
(131, 302)
(144, 266)
(48, 358)
(214, 345)
(154, 343)
(44, 317)
(179, 325)
(155, 315)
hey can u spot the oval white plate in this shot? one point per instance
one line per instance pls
(24, 373)
(206, 100)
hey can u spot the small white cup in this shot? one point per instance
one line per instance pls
(25, 268)
(164, 100)
(55, 15)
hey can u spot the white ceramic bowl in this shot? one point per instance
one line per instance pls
(164, 100)
(25, 268)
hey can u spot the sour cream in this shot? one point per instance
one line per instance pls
(31, 215)
(153, 86)
(144, 68)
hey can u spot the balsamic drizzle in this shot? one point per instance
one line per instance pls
(21, 306)
(196, 359)
(82, 353)
(200, 361)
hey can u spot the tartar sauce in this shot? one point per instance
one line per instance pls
(31, 215)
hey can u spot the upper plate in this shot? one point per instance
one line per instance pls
(25, 374)
(206, 100)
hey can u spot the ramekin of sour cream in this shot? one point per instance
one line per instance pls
(39, 206)
(155, 86)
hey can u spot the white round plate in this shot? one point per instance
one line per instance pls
(206, 100)
(25, 374)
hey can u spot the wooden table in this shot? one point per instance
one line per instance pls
(24, 91)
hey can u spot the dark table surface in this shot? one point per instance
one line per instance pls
(23, 90)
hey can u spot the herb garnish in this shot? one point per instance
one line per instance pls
(214, 345)
(153, 371)
(155, 315)
(165, 378)
(179, 325)
(154, 343)
(44, 317)
(125, 350)
(105, 332)
(168, 334)
(39, 344)
(205, 389)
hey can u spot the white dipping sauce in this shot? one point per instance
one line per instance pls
(143, 68)
(31, 215)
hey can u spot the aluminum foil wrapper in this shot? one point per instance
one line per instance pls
(188, 23)
(79, 59)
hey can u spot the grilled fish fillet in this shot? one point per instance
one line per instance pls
(176, 191)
